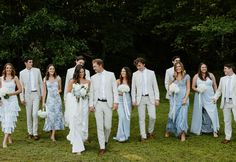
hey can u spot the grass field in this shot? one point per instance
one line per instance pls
(196, 148)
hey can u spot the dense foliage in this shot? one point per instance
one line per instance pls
(55, 31)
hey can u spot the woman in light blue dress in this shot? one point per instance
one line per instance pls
(124, 107)
(205, 116)
(9, 106)
(179, 103)
(53, 105)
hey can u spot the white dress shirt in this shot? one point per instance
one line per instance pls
(144, 82)
(102, 94)
(32, 80)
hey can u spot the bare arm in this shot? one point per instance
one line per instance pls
(22, 94)
(59, 85)
(44, 92)
(218, 91)
(187, 92)
(194, 83)
(214, 82)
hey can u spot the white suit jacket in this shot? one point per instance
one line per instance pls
(111, 91)
(152, 86)
(24, 80)
(221, 90)
(69, 75)
(168, 78)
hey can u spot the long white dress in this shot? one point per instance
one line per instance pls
(9, 108)
(74, 119)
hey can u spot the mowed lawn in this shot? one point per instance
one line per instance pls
(195, 148)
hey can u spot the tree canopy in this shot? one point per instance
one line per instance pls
(54, 31)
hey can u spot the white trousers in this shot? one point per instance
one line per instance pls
(32, 106)
(228, 108)
(145, 102)
(103, 114)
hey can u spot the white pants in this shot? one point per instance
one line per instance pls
(103, 114)
(32, 106)
(145, 102)
(228, 107)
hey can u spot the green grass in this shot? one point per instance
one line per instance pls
(196, 148)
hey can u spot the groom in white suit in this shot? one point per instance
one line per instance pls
(103, 96)
(145, 93)
(227, 91)
(80, 60)
(31, 81)
(169, 76)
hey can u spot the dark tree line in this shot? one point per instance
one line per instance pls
(54, 31)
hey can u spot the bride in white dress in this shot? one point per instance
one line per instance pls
(73, 108)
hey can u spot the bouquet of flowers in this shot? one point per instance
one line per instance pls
(42, 113)
(80, 91)
(173, 88)
(201, 88)
(123, 88)
(4, 93)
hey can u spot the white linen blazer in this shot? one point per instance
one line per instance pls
(152, 86)
(221, 90)
(111, 91)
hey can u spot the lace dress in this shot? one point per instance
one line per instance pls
(9, 108)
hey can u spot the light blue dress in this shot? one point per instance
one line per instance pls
(54, 120)
(178, 123)
(205, 116)
(124, 112)
(9, 108)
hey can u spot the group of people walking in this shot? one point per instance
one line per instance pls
(102, 93)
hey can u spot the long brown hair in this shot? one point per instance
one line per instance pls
(182, 68)
(128, 76)
(200, 73)
(76, 74)
(4, 72)
(47, 72)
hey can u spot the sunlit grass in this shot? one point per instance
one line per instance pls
(196, 148)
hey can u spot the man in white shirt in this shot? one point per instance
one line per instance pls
(103, 97)
(80, 60)
(169, 74)
(227, 91)
(145, 93)
(31, 81)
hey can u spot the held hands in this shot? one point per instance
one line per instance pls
(157, 102)
(214, 100)
(115, 106)
(23, 102)
(135, 103)
(184, 101)
(43, 105)
(91, 109)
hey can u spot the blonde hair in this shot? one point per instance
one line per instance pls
(183, 72)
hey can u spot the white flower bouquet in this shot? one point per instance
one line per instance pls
(42, 113)
(123, 88)
(201, 88)
(80, 91)
(4, 93)
(173, 88)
